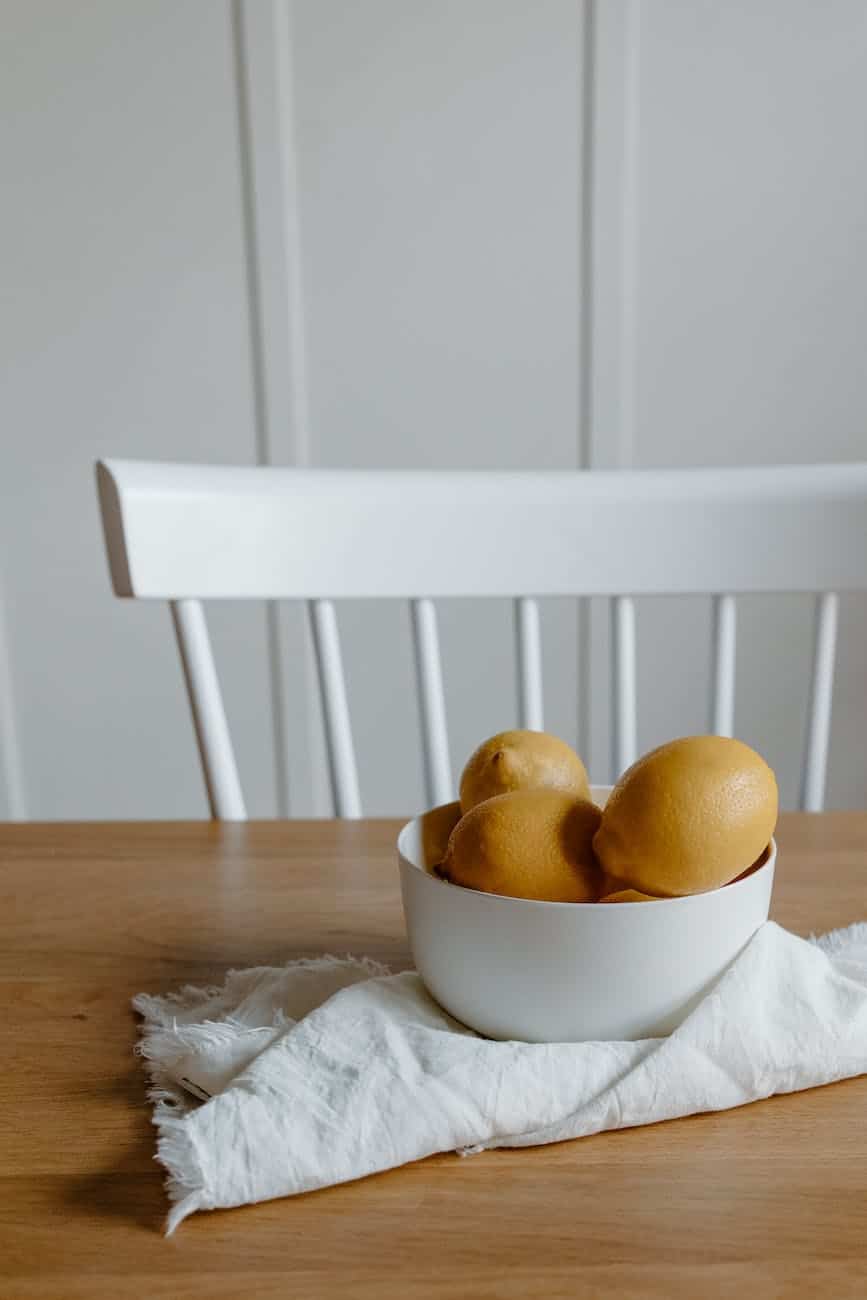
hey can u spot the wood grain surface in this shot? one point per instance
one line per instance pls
(770, 1200)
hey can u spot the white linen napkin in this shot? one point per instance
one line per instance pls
(323, 1071)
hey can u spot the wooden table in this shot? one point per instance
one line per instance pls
(770, 1200)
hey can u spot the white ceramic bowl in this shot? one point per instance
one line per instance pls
(514, 968)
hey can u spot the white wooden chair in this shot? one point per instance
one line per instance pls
(187, 533)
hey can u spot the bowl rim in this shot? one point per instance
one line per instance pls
(749, 874)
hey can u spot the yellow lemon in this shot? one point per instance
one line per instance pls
(527, 844)
(629, 896)
(522, 760)
(688, 817)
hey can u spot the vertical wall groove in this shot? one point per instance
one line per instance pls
(611, 206)
(585, 347)
(586, 285)
(609, 266)
(269, 180)
(629, 234)
(262, 410)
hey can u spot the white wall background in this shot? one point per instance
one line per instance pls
(394, 232)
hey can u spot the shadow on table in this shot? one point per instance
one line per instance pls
(131, 1189)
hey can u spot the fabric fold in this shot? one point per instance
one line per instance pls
(323, 1072)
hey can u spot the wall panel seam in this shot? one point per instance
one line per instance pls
(269, 178)
(609, 262)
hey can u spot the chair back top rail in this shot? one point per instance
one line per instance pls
(176, 531)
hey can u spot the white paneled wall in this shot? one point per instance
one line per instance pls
(745, 303)
(391, 232)
(125, 329)
(438, 151)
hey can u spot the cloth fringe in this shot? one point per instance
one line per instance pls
(329, 1069)
(166, 1038)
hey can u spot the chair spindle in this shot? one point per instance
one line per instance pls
(821, 696)
(335, 709)
(529, 664)
(431, 702)
(624, 740)
(722, 710)
(220, 770)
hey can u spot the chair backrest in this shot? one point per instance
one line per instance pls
(184, 533)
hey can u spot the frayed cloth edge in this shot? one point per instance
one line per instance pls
(176, 1149)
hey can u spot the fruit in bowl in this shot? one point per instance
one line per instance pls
(522, 760)
(629, 896)
(502, 898)
(533, 843)
(686, 818)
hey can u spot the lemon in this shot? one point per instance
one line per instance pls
(527, 844)
(629, 896)
(688, 817)
(522, 760)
